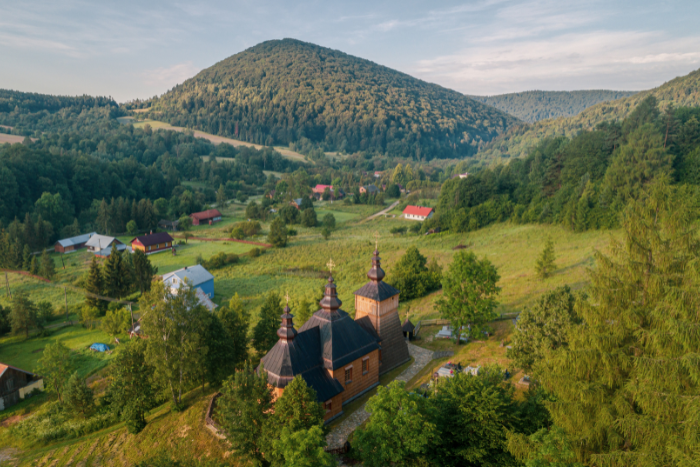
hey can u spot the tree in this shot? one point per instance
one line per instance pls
(326, 194)
(253, 211)
(185, 225)
(55, 367)
(48, 268)
(278, 233)
(179, 322)
(469, 292)
(26, 257)
(326, 232)
(236, 320)
(625, 388)
(303, 448)
(308, 217)
(132, 391)
(116, 321)
(297, 408)
(545, 263)
(265, 330)
(244, 410)
(95, 286)
(79, 396)
(221, 358)
(306, 203)
(143, 271)
(221, 196)
(289, 215)
(413, 276)
(400, 428)
(329, 221)
(117, 280)
(548, 447)
(473, 414)
(44, 313)
(303, 311)
(543, 328)
(132, 228)
(23, 316)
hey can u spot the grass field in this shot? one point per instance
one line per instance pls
(25, 354)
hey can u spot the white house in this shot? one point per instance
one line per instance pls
(417, 213)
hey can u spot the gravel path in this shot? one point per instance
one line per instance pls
(339, 435)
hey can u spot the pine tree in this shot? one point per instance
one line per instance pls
(221, 197)
(34, 265)
(95, 285)
(545, 265)
(48, 268)
(302, 312)
(23, 316)
(143, 271)
(265, 331)
(626, 387)
(236, 320)
(78, 396)
(278, 233)
(26, 258)
(116, 274)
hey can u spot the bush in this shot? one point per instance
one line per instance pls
(399, 230)
(245, 229)
(220, 260)
(291, 233)
(255, 252)
(237, 233)
(415, 227)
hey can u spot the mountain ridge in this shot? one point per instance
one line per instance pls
(292, 92)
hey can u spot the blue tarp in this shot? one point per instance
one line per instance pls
(99, 347)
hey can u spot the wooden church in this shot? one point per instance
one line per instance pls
(340, 357)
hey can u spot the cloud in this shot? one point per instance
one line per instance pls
(166, 78)
(620, 60)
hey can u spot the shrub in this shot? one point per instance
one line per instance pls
(291, 233)
(220, 260)
(398, 230)
(255, 252)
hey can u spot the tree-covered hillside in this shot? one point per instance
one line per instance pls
(533, 106)
(682, 91)
(286, 91)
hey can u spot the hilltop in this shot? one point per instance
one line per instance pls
(681, 91)
(288, 92)
(533, 106)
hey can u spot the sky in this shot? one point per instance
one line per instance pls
(138, 49)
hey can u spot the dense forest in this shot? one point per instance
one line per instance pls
(683, 91)
(288, 91)
(82, 156)
(533, 106)
(584, 182)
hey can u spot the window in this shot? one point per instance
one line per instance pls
(348, 375)
(149, 248)
(329, 406)
(365, 366)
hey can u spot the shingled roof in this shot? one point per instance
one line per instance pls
(153, 239)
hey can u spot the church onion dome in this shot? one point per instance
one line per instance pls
(330, 301)
(376, 274)
(286, 332)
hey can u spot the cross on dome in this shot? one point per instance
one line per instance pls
(376, 238)
(286, 296)
(330, 265)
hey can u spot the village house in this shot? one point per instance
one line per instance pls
(464, 175)
(69, 245)
(369, 189)
(417, 213)
(339, 357)
(318, 190)
(296, 202)
(168, 225)
(209, 216)
(152, 243)
(196, 277)
(15, 384)
(101, 245)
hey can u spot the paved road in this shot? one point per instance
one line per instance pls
(383, 211)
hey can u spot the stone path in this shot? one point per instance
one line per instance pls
(339, 435)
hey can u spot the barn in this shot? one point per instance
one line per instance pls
(206, 217)
(69, 245)
(15, 384)
(152, 243)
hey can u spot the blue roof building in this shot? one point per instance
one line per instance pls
(196, 276)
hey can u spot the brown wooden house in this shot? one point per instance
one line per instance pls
(15, 384)
(153, 243)
(206, 217)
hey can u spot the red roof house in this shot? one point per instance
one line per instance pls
(206, 217)
(417, 213)
(319, 189)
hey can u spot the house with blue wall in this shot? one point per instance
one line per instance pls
(197, 277)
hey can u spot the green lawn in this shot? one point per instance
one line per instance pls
(187, 254)
(25, 353)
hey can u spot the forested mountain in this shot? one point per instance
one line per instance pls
(533, 106)
(285, 91)
(681, 91)
(584, 182)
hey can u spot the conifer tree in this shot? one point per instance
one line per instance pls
(265, 331)
(95, 285)
(116, 274)
(27, 258)
(143, 271)
(278, 233)
(236, 320)
(297, 408)
(302, 312)
(48, 268)
(79, 396)
(34, 266)
(545, 266)
(23, 316)
(627, 386)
